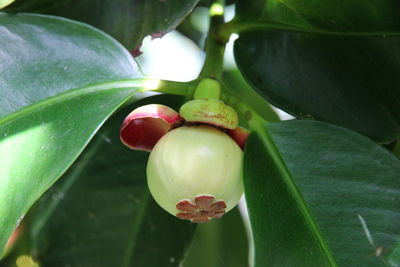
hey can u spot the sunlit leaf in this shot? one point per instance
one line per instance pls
(50, 108)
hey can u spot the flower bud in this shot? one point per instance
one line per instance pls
(195, 173)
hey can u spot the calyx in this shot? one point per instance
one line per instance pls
(145, 125)
(210, 111)
(201, 209)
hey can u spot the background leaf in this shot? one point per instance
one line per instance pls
(335, 15)
(39, 142)
(101, 212)
(129, 21)
(329, 77)
(334, 79)
(318, 193)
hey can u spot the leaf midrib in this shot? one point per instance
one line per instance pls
(239, 26)
(259, 125)
(119, 84)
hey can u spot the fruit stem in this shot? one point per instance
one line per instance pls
(170, 87)
(214, 47)
(207, 88)
(238, 94)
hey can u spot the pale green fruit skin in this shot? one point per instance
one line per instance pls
(195, 160)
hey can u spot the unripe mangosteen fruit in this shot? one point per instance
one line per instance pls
(195, 173)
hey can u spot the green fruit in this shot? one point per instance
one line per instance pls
(195, 173)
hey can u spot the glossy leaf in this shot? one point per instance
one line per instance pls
(54, 55)
(47, 66)
(129, 21)
(220, 243)
(321, 195)
(101, 212)
(281, 234)
(330, 77)
(335, 15)
(334, 79)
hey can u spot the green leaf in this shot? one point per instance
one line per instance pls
(48, 65)
(330, 77)
(220, 243)
(129, 21)
(42, 56)
(321, 195)
(353, 15)
(107, 214)
(334, 79)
